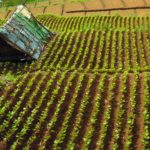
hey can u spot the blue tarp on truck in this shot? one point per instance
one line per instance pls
(24, 34)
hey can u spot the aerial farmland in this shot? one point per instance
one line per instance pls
(89, 86)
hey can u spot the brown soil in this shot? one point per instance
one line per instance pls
(97, 13)
(76, 52)
(139, 120)
(58, 96)
(69, 50)
(136, 131)
(29, 112)
(114, 115)
(143, 13)
(59, 45)
(60, 7)
(87, 113)
(13, 99)
(146, 49)
(73, 6)
(147, 2)
(51, 109)
(74, 14)
(40, 110)
(2, 145)
(103, 51)
(114, 3)
(123, 2)
(40, 4)
(67, 24)
(110, 50)
(100, 116)
(134, 3)
(126, 107)
(130, 51)
(76, 108)
(93, 4)
(103, 3)
(125, 62)
(3, 14)
(69, 40)
(42, 61)
(37, 10)
(126, 56)
(123, 13)
(63, 110)
(96, 59)
(139, 58)
(89, 51)
(54, 10)
(84, 46)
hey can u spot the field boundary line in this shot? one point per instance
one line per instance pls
(109, 9)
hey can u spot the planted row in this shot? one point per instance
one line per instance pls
(65, 24)
(76, 110)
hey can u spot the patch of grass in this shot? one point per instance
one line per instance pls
(2, 22)
(7, 3)
(6, 79)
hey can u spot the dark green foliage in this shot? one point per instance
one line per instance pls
(16, 2)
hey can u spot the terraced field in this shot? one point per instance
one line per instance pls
(64, 24)
(89, 90)
(62, 7)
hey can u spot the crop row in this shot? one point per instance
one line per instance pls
(91, 50)
(64, 110)
(63, 24)
(96, 50)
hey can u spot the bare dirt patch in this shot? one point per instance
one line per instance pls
(56, 6)
(113, 3)
(46, 3)
(98, 13)
(103, 3)
(135, 3)
(147, 2)
(142, 13)
(73, 6)
(93, 4)
(2, 145)
(56, 9)
(37, 10)
(123, 13)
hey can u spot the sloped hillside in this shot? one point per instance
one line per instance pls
(90, 89)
